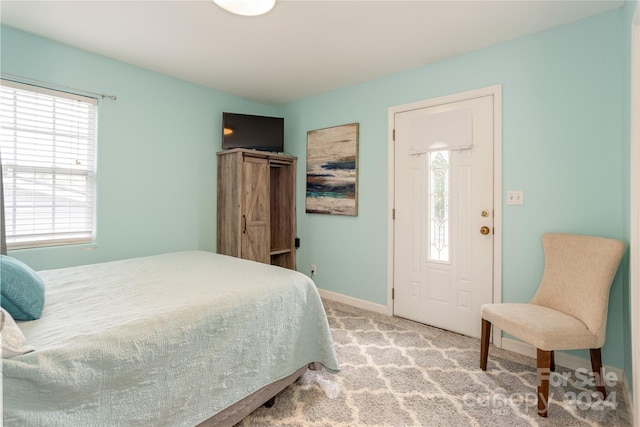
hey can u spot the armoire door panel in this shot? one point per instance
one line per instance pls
(256, 232)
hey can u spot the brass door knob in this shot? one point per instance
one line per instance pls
(484, 230)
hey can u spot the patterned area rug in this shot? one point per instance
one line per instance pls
(400, 373)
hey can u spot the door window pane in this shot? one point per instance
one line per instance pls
(439, 206)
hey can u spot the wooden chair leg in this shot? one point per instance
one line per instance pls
(596, 367)
(543, 363)
(484, 343)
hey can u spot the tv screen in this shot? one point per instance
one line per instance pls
(253, 132)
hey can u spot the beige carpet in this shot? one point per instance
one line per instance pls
(400, 373)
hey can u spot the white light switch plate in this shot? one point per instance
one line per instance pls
(515, 197)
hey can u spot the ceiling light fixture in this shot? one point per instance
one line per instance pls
(246, 7)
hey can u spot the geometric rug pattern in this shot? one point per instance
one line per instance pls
(395, 372)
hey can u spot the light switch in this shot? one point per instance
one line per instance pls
(515, 197)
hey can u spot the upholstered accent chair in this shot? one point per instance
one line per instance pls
(569, 309)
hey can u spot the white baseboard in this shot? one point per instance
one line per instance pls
(355, 302)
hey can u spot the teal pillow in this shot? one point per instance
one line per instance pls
(21, 289)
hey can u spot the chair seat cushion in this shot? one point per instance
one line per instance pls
(545, 328)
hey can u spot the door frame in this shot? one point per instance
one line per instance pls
(496, 92)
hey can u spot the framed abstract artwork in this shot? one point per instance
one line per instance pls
(332, 170)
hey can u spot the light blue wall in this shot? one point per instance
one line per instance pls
(564, 145)
(157, 144)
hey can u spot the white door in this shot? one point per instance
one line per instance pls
(443, 228)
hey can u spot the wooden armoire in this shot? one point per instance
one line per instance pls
(257, 206)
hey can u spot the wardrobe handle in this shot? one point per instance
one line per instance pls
(244, 224)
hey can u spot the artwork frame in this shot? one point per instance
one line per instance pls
(332, 170)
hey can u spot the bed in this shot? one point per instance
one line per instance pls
(178, 339)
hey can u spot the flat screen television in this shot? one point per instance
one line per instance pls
(254, 132)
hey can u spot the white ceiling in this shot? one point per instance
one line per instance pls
(299, 49)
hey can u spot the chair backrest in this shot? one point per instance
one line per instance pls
(577, 276)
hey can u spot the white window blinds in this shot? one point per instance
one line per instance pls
(47, 145)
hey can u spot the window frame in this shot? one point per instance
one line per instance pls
(79, 231)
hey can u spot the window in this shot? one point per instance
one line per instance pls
(47, 145)
(439, 206)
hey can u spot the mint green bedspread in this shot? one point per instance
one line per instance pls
(167, 340)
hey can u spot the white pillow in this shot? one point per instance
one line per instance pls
(11, 337)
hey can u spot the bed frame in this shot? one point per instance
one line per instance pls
(264, 396)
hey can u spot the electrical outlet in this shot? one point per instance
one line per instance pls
(313, 269)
